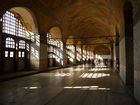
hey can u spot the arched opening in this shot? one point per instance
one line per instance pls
(55, 47)
(70, 50)
(102, 55)
(89, 52)
(19, 36)
(128, 16)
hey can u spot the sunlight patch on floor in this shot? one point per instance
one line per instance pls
(86, 88)
(94, 75)
(32, 88)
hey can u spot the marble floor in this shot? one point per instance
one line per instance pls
(79, 85)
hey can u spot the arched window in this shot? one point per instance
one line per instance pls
(21, 44)
(9, 23)
(55, 48)
(13, 25)
(10, 43)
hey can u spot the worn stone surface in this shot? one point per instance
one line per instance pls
(137, 60)
(80, 85)
(81, 19)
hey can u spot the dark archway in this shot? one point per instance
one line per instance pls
(128, 15)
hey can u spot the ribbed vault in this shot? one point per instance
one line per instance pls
(87, 18)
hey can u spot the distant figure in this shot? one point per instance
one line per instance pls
(89, 61)
(106, 62)
(85, 61)
(93, 64)
(99, 61)
(111, 63)
(118, 63)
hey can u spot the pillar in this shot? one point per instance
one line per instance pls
(43, 64)
(64, 54)
(94, 54)
(1, 47)
(117, 56)
(86, 53)
(75, 54)
(114, 57)
(82, 54)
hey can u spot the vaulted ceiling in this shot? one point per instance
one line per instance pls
(82, 18)
(90, 21)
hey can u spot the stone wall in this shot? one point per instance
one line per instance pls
(136, 13)
(122, 59)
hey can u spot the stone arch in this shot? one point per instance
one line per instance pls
(70, 40)
(79, 43)
(27, 17)
(56, 33)
(29, 24)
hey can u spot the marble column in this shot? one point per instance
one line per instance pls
(82, 54)
(114, 57)
(1, 68)
(75, 54)
(43, 64)
(64, 54)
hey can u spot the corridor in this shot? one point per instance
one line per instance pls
(77, 85)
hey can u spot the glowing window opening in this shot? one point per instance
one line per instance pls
(19, 54)
(13, 25)
(11, 54)
(10, 43)
(6, 54)
(22, 44)
(23, 54)
(55, 49)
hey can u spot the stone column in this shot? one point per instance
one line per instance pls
(94, 54)
(64, 54)
(43, 62)
(86, 53)
(114, 57)
(75, 54)
(82, 54)
(117, 56)
(1, 68)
